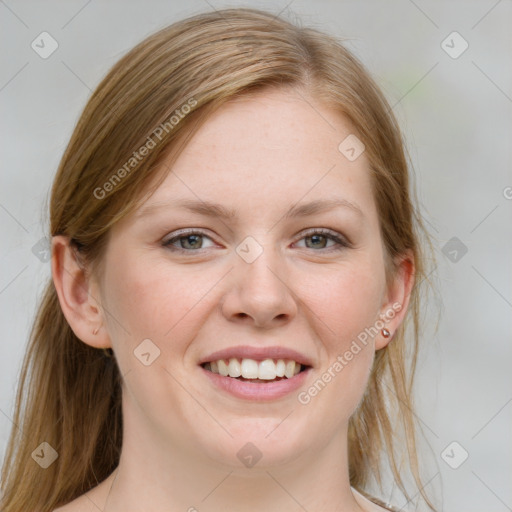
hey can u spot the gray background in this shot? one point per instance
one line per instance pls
(457, 117)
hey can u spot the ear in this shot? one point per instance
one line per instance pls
(397, 297)
(77, 293)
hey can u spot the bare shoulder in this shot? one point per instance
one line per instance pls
(371, 504)
(80, 504)
(92, 501)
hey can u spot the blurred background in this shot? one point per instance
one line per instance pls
(445, 67)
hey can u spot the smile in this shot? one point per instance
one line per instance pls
(259, 381)
(255, 371)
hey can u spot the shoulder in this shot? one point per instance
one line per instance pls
(92, 501)
(371, 504)
(80, 504)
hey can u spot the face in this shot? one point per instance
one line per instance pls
(273, 277)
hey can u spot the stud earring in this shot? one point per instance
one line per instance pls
(385, 333)
(96, 330)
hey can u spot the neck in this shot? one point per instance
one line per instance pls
(156, 474)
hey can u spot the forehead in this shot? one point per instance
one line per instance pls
(266, 149)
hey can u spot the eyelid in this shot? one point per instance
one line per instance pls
(341, 241)
(333, 235)
(176, 235)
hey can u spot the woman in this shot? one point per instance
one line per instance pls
(235, 260)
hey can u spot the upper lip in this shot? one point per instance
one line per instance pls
(258, 354)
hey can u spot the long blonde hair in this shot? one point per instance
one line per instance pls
(69, 393)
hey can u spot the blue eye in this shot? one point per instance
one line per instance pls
(192, 241)
(318, 236)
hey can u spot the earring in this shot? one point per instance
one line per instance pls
(96, 330)
(385, 333)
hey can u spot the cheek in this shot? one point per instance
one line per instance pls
(346, 307)
(150, 298)
(345, 300)
(132, 295)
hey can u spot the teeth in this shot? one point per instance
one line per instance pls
(290, 369)
(223, 368)
(251, 369)
(280, 368)
(267, 370)
(234, 368)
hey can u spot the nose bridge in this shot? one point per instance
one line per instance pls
(260, 267)
(260, 290)
(263, 273)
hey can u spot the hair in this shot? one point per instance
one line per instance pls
(69, 393)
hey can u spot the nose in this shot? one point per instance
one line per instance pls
(259, 292)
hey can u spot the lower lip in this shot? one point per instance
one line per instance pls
(257, 391)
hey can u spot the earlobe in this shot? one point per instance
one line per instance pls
(398, 294)
(76, 294)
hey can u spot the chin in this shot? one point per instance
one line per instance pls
(256, 445)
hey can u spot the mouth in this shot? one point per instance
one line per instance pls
(255, 371)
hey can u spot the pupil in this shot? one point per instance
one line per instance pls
(316, 238)
(189, 237)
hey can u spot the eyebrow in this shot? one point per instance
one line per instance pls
(210, 209)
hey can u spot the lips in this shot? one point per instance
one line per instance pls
(254, 390)
(254, 373)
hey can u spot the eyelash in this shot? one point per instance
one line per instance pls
(330, 235)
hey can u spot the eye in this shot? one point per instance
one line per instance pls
(193, 240)
(190, 241)
(320, 237)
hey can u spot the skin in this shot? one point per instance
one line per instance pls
(260, 156)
